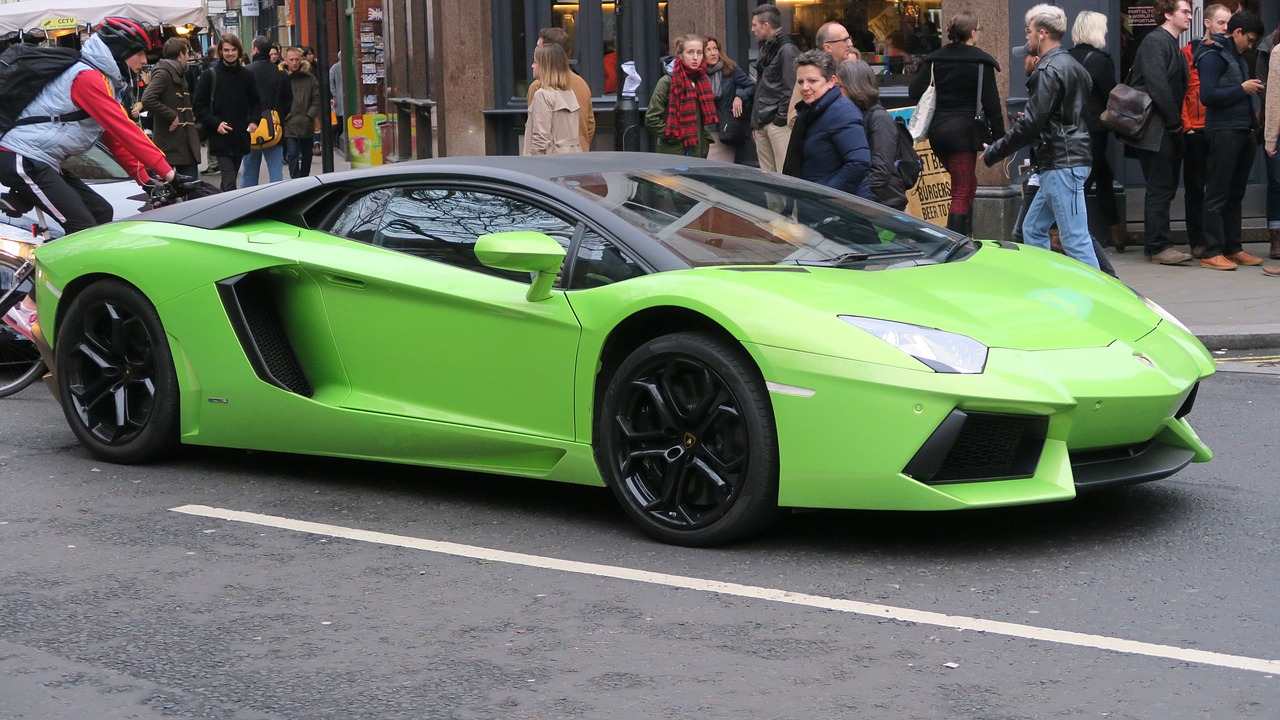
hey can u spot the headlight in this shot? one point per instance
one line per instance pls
(942, 351)
(1155, 308)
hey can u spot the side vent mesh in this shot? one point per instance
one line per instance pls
(255, 315)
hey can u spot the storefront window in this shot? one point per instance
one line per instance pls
(892, 36)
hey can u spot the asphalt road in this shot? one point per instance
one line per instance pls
(113, 605)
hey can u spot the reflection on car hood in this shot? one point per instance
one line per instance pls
(1022, 299)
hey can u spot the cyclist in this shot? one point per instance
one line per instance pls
(75, 109)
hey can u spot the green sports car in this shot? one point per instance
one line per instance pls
(714, 343)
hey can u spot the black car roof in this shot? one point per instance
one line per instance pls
(221, 210)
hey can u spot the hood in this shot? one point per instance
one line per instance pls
(562, 99)
(1024, 299)
(97, 55)
(303, 69)
(173, 67)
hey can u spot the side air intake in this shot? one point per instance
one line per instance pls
(255, 315)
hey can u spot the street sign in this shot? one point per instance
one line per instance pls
(69, 23)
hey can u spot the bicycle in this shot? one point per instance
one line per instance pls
(20, 361)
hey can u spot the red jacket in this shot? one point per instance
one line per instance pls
(1192, 109)
(91, 92)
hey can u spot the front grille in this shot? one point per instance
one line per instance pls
(971, 446)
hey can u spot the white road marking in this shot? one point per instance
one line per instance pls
(884, 612)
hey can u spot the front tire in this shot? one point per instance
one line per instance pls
(685, 437)
(116, 381)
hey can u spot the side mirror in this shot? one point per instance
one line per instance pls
(523, 251)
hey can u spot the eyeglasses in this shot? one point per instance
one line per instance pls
(845, 39)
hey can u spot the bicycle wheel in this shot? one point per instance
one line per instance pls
(20, 363)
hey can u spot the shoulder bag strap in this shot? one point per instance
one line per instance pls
(977, 113)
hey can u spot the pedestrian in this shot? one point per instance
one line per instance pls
(337, 100)
(553, 114)
(828, 144)
(1230, 96)
(682, 109)
(226, 103)
(955, 71)
(1195, 143)
(586, 114)
(1160, 71)
(1268, 67)
(167, 99)
(299, 125)
(775, 80)
(734, 92)
(275, 93)
(858, 82)
(1053, 125)
(1090, 35)
(273, 54)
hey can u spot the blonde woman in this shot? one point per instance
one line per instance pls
(553, 113)
(1090, 35)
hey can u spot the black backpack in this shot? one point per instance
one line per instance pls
(25, 70)
(908, 165)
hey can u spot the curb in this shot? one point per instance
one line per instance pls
(1239, 337)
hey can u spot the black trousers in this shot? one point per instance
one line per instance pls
(229, 170)
(1101, 180)
(1195, 159)
(62, 195)
(1160, 169)
(1232, 152)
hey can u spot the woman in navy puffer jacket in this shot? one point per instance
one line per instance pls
(829, 141)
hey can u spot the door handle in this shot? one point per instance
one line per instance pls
(344, 281)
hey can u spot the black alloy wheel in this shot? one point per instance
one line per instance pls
(686, 440)
(115, 375)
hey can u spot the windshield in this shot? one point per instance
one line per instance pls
(95, 165)
(742, 216)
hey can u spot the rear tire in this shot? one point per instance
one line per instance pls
(686, 439)
(116, 381)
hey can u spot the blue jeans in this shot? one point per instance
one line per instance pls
(253, 165)
(297, 155)
(1061, 198)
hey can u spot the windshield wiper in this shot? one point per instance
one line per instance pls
(949, 251)
(850, 258)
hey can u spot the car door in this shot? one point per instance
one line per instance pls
(425, 330)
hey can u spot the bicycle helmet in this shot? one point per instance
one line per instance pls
(124, 37)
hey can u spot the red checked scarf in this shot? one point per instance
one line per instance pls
(690, 90)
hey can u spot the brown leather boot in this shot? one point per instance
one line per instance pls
(1275, 244)
(1120, 237)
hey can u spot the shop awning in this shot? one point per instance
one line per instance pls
(64, 14)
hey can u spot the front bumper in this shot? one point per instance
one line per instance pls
(1106, 416)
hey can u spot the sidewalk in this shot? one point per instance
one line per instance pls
(1236, 310)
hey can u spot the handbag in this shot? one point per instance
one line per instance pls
(736, 131)
(1128, 111)
(923, 114)
(268, 133)
(981, 130)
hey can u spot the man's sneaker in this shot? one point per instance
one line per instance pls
(14, 206)
(1272, 270)
(21, 319)
(1244, 258)
(1217, 262)
(1168, 256)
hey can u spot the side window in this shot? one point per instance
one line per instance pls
(442, 225)
(359, 220)
(600, 262)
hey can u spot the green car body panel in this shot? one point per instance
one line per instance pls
(415, 361)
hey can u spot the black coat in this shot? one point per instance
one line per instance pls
(235, 103)
(734, 84)
(1159, 69)
(955, 77)
(274, 89)
(1102, 71)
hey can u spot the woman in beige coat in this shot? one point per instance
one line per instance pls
(553, 113)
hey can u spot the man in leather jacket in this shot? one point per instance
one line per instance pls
(1053, 122)
(776, 77)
